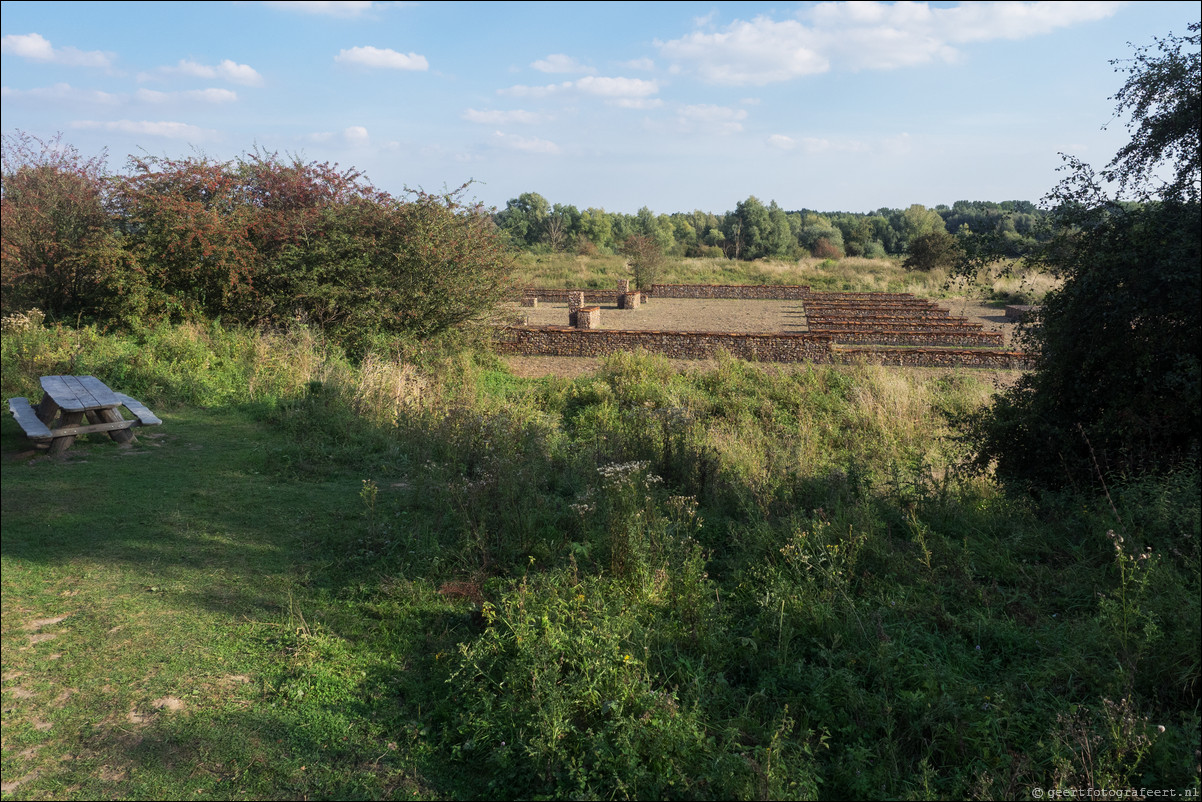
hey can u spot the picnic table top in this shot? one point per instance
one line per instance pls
(79, 393)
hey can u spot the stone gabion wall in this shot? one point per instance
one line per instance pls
(1019, 311)
(876, 311)
(935, 358)
(862, 296)
(560, 341)
(588, 317)
(893, 323)
(979, 339)
(745, 292)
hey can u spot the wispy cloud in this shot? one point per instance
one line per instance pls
(167, 130)
(346, 9)
(711, 118)
(561, 63)
(611, 88)
(499, 117)
(867, 35)
(639, 64)
(810, 144)
(35, 47)
(227, 70)
(191, 95)
(525, 144)
(65, 94)
(382, 58)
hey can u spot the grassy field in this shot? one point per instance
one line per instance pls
(426, 577)
(843, 275)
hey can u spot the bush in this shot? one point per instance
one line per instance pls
(60, 251)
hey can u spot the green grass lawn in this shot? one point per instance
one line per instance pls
(176, 625)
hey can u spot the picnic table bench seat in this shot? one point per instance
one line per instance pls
(60, 416)
(23, 412)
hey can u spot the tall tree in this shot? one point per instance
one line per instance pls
(1115, 388)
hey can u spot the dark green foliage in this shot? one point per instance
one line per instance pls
(646, 257)
(1115, 387)
(929, 251)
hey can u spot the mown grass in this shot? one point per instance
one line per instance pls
(433, 579)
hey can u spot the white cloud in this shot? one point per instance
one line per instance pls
(355, 135)
(497, 117)
(346, 9)
(637, 103)
(193, 95)
(65, 93)
(558, 62)
(615, 89)
(169, 130)
(711, 118)
(639, 64)
(227, 70)
(813, 145)
(863, 35)
(36, 47)
(759, 52)
(525, 144)
(382, 58)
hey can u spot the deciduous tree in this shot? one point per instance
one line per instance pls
(1114, 390)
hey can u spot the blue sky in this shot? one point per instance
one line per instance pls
(675, 106)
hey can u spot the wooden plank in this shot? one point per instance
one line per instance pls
(79, 393)
(25, 415)
(107, 426)
(144, 415)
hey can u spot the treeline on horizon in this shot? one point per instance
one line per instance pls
(271, 240)
(754, 230)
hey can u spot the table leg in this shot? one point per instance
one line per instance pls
(60, 444)
(119, 435)
(46, 409)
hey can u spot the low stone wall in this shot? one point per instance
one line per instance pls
(561, 341)
(943, 339)
(935, 358)
(877, 311)
(862, 296)
(1019, 311)
(900, 305)
(892, 324)
(745, 292)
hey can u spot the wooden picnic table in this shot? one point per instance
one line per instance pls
(72, 399)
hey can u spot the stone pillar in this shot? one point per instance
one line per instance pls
(530, 300)
(623, 285)
(575, 301)
(588, 317)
